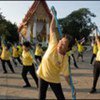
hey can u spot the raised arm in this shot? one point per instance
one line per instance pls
(76, 40)
(54, 30)
(52, 27)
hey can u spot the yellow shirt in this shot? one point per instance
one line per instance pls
(80, 47)
(68, 53)
(98, 53)
(20, 50)
(53, 63)
(15, 52)
(95, 49)
(38, 51)
(27, 59)
(0, 53)
(5, 55)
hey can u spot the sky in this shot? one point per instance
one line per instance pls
(15, 11)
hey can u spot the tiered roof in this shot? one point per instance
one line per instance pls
(32, 10)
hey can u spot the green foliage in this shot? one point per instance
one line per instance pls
(78, 23)
(8, 31)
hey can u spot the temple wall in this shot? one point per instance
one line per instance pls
(38, 24)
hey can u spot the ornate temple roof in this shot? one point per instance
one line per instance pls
(32, 10)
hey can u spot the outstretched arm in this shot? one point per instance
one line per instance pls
(52, 27)
(69, 81)
(67, 78)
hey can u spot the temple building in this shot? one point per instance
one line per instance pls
(36, 23)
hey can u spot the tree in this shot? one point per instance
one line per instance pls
(78, 23)
(11, 32)
(8, 31)
(1, 16)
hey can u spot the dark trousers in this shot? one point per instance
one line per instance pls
(96, 73)
(8, 63)
(56, 87)
(18, 59)
(93, 56)
(75, 64)
(80, 54)
(38, 58)
(31, 70)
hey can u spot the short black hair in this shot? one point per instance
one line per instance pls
(71, 41)
(8, 45)
(40, 44)
(27, 44)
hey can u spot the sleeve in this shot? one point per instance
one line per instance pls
(65, 67)
(30, 56)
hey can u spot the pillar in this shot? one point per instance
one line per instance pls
(28, 32)
(47, 30)
(34, 26)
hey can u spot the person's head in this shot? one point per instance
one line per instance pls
(65, 44)
(26, 46)
(39, 45)
(7, 47)
(79, 42)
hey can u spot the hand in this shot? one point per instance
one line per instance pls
(67, 78)
(53, 11)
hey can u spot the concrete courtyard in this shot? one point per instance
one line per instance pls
(11, 85)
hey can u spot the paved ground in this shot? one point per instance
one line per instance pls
(11, 84)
